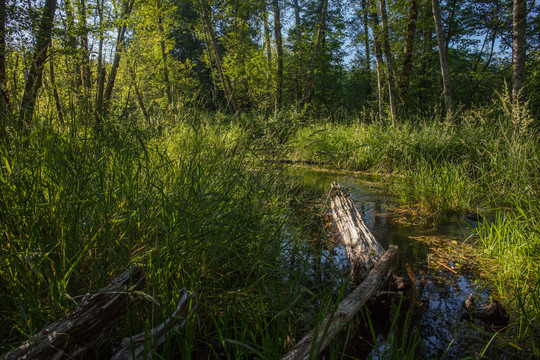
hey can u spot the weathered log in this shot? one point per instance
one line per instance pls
(363, 250)
(133, 347)
(319, 338)
(81, 329)
(492, 314)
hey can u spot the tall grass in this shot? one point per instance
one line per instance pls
(193, 204)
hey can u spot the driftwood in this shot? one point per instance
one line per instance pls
(492, 314)
(133, 347)
(319, 338)
(363, 250)
(78, 331)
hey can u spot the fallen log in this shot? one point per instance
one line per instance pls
(493, 315)
(78, 331)
(133, 347)
(319, 338)
(363, 250)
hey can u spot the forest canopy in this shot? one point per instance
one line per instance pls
(83, 60)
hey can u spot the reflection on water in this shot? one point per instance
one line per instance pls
(443, 289)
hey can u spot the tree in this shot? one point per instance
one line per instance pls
(519, 50)
(279, 48)
(225, 81)
(442, 56)
(408, 48)
(320, 34)
(389, 62)
(33, 81)
(5, 107)
(378, 57)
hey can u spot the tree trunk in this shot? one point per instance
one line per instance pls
(319, 338)
(299, 65)
(57, 102)
(311, 77)
(138, 95)
(279, 60)
(70, 336)
(519, 49)
(107, 95)
(389, 62)
(33, 81)
(227, 87)
(442, 56)
(363, 250)
(100, 69)
(164, 58)
(404, 81)
(5, 106)
(268, 66)
(379, 60)
(366, 42)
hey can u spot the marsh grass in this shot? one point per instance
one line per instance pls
(190, 202)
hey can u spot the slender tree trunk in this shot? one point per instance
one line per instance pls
(442, 56)
(72, 43)
(84, 57)
(366, 41)
(107, 95)
(138, 95)
(54, 87)
(33, 81)
(322, 29)
(85, 53)
(227, 87)
(279, 50)
(379, 59)
(299, 65)
(404, 81)
(389, 62)
(164, 58)
(427, 39)
(100, 69)
(5, 106)
(519, 49)
(267, 41)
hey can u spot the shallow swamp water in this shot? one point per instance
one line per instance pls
(441, 258)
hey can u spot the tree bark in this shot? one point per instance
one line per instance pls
(57, 102)
(269, 69)
(279, 59)
(138, 95)
(100, 69)
(107, 95)
(366, 41)
(5, 106)
(33, 81)
(225, 81)
(442, 56)
(363, 250)
(319, 338)
(164, 58)
(81, 329)
(133, 347)
(378, 58)
(408, 49)
(519, 49)
(389, 62)
(320, 34)
(297, 52)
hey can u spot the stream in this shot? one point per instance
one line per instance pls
(440, 257)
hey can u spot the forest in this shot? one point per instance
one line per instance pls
(194, 142)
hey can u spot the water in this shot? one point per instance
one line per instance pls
(440, 257)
